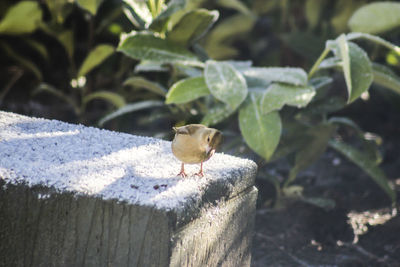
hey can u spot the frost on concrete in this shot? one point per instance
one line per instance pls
(111, 165)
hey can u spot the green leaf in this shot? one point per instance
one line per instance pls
(130, 108)
(313, 11)
(90, 5)
(140, 82)
(376, 17)
(219, 40)
(23, 61)
(320, 82)
(137, 12)
(324, 203)
(146, 46)
(192, 26)
(318, 140)
(235, 4)
(356, 67)
(277, 95)
(114, 98)
(95, 57)
(225, 83)
(373, 38)
(39, 47)
(294, 76)
(23, 17)
(187, 90)
(150, 66)
(386, 77)
(261, 132)
(366, 165)
(173, 6)
(217, 114)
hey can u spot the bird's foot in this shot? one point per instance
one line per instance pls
(182, 173)
(200, 174)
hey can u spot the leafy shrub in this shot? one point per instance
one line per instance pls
(281, 111)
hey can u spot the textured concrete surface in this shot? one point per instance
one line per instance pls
(72, 195)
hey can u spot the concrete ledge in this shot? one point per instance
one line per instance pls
(79, 196)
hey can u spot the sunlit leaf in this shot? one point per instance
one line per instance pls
(90, 5)
(192, 26)
(95, 57)
(261, 132)
(225, 83)
(277, 95)
(130, 108)
(172, 7)
(111, 97)
(366, 165)
(147, 46)
(137, 12)
(386, 77)
(23, 17)
(356, 67)
(140, 82)
(187, 90)
(373, 38)
(376, 17)
(295, 76)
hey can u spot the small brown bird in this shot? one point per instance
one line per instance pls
(195, 143)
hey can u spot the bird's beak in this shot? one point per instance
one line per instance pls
(210, 151)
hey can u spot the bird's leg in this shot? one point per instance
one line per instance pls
(182, 172)
(200, 173)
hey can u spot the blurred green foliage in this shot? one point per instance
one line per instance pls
(223, 61)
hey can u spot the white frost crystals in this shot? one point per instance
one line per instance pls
(101, 163)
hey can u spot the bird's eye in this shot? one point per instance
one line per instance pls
(208, 139)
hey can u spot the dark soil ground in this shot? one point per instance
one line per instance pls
(359, 231)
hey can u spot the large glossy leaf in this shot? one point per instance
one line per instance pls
(376, 17)
(130, 108)
(187, 90)
(192, 26)
(141, 82)
(261, 132)
(225, 83)
(366, 165)
(23, 17)
(386, 77)
(277, 95)
(295, 76)
(318, 138)
(90, 5)
(356, 67)
(111, 97)
(95, 57)
(147, 46)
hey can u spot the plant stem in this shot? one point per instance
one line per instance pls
(318, 62)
